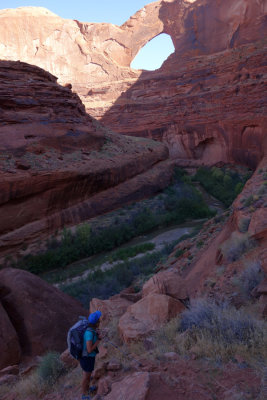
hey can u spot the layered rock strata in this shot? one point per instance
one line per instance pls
(58, 166)
(207, 97)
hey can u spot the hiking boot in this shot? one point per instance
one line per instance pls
(86, 397)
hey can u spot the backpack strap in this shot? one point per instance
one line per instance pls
(93, 331)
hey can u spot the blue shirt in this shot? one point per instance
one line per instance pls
(89, 335)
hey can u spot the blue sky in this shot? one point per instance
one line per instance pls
(112, 11)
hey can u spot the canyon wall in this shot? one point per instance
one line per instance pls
(58, 165)
(205, 102)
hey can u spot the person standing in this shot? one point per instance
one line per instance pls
(91, 340)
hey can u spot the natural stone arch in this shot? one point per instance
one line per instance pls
(154, 53)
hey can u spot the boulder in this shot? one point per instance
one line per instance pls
(166, 282)
(133, 387)
(111, 309)
(104, 386)
(114, 365)
(9, 341)
(40, 313)
(258, 226)
(147, 315)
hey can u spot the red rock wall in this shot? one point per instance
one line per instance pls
(208, 108)
(205, 103)
(59, 166)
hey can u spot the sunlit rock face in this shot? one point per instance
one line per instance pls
(59, 166)
(205, 102)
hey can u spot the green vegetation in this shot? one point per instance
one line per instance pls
(248, 201)
(103, 284)
(223, 183)
(50, 368)
(179, 253)
(236, 246)
(216, 331)
(249, 279)
(178, 203)
(128, 252)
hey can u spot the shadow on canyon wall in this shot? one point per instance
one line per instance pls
(206, 101)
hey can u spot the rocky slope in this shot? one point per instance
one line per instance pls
(59, 166)
(207, 96)
(211, 264)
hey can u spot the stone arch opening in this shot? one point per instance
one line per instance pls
(154, 53)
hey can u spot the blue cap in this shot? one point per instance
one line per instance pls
(94, 317)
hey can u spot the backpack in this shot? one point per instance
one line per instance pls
(75, 338)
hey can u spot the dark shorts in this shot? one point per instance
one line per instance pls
(87, 364)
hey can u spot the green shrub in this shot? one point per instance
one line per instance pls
(50, 368)
(238, 188)
(248, 201)
(180, 202)
(216, 331)
(250, 278)
(223, 324)
(220, 184)
(262, 190)
(179, 253)
(236, 246)
(104, 284)
(128, 252)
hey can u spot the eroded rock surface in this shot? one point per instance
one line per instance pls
(147, 315)
(37, 316)
(9, 340)
(205, 102)
(58, 165)
(112, 309)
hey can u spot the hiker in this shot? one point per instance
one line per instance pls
(91, 340)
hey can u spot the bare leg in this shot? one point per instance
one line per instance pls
(86, 382)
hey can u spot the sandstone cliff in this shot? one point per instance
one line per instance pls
(58, 165)
(207, 96)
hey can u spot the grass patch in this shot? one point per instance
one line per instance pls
(123, 254)
(248, 201)
(215, 331)
(236, 246)
(249, 279)
(50, 369)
